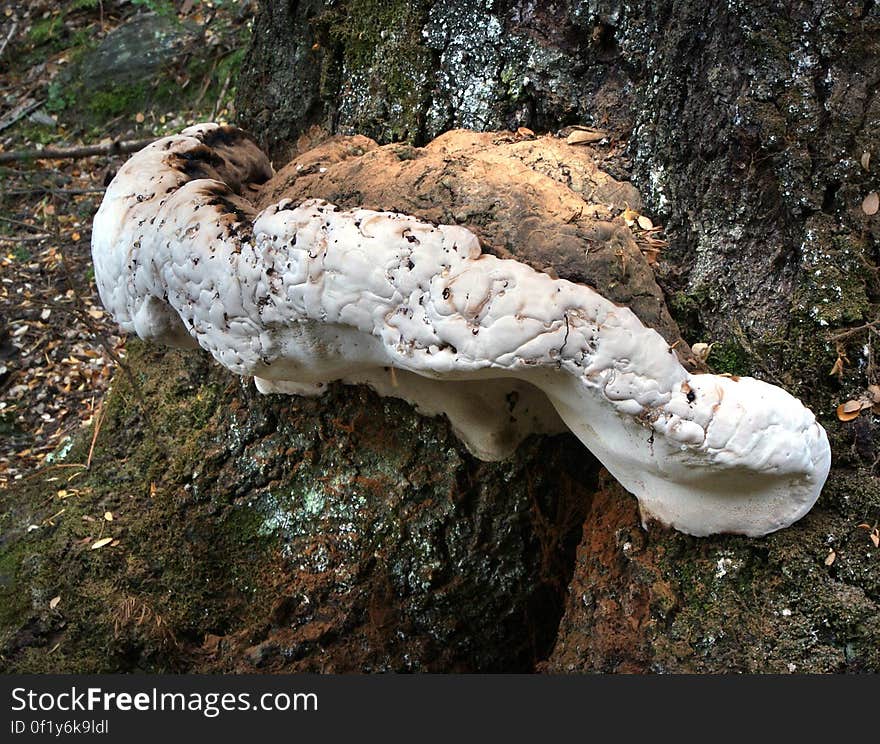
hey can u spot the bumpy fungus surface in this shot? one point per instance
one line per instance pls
(303, 294)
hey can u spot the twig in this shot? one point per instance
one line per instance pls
(205, 85)
(24, 238)
(9, 36)
(219, 102)
(870, 326)
(51, 190)
(20, 114)
(28, 225)
(68, 153)
(99, 418)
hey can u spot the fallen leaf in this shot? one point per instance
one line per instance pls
(139, 117)
(645, 223)
(585, 136)
(874, 390)
(837, 369)
(629, 216)
(830, 558)
(702, 350)
(845, 411)
(866, 160)
(108, 516)
(871, 203)
(525, 132)
(53, 603)
(102, 542)
(875, 537)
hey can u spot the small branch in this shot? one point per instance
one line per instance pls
(871, 326)
(20, 114)
(28, 225)
(9, 36)
(69, 153)
(51, 190)
(219, 102)
(99, 418)
(24, 238)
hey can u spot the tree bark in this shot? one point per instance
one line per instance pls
(746, 128)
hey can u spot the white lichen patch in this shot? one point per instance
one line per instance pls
(302, 295)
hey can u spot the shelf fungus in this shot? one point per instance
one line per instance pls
(303, 294)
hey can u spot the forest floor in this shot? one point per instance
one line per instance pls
(58, 348)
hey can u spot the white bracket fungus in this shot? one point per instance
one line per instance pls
(301, 295)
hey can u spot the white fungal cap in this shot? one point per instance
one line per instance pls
(308, 294)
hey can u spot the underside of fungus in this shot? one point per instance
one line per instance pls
(305, 294)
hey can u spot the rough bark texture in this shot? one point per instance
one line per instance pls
(346, 532)
(746, 126)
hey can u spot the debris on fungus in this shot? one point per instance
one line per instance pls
(303, 294)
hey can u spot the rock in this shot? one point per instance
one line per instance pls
(135, 51)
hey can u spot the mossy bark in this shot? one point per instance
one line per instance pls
(273, 532)
(281, 533)
(746, 126)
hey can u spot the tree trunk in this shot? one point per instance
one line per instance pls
(349, 533)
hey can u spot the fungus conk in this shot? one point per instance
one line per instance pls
(303, 294)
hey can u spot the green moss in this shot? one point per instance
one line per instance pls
(117, 100)
(14, 604)
(384, 65)
(685, 308)
(45, 30)
(833, 288)
(729, 357)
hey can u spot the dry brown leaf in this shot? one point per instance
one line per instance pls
(585, 136)
(830, 558)
(645, 223)
(875, 537)
(871, 203)
(837, 369)
(874, 390)
(866, 160)
(101, 543)
(53, 603)
(845, 414)
(139, 117)
(108, 516)
(524, 132)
